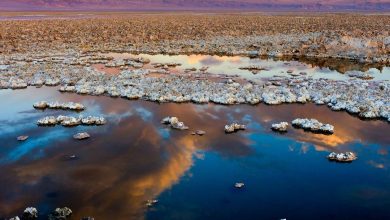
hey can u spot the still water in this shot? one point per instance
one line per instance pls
(230, 65)
(134, 158)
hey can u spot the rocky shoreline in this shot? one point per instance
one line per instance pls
(365, 98)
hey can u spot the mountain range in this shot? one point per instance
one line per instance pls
(282, 5)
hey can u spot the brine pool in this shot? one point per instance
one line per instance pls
(316, 68)
(134, 158)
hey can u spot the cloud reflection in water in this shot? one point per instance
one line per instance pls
(135, 158)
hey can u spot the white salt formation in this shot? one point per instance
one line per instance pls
(58, 105)
(282, 126)
(342, 157)
(234, 127)
(174, 123)
(313, 125)
(70, 121)
(81, 136)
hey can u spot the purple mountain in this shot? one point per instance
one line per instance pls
(325, 5)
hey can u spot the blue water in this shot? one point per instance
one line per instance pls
(134, 158)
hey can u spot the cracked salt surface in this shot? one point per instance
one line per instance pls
(159, 78)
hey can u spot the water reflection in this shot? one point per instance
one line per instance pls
(134, 158)
(341, 66)
(315, 67)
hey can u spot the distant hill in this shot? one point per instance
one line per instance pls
(276, 5)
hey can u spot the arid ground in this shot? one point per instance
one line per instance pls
(362, 37)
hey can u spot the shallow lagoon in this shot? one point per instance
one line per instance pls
(134, 158)
(230, 65)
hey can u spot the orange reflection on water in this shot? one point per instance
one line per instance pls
(121, 183)
(196, 59)
(348, 128)
(131, 162)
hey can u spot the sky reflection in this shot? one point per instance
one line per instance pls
(229, 65)
(135, 158)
